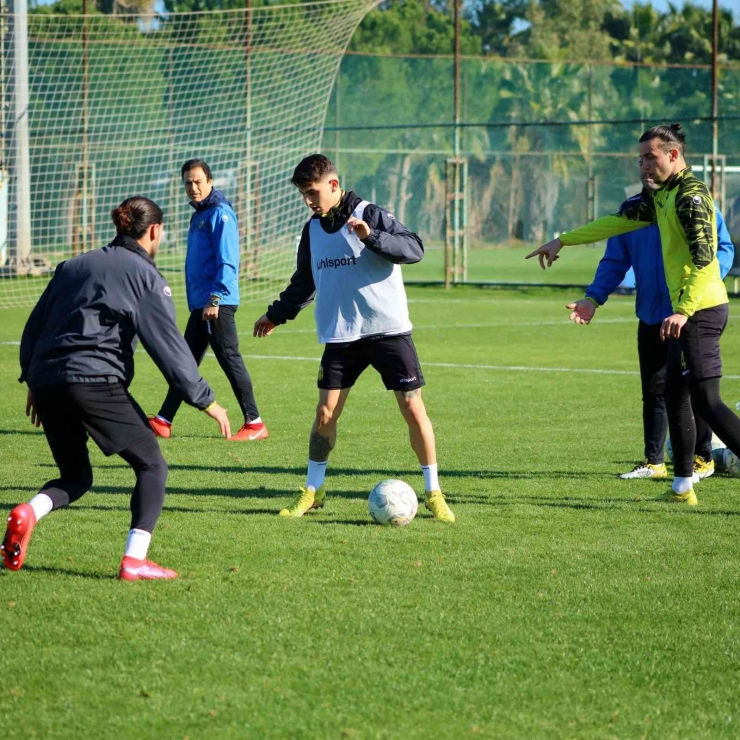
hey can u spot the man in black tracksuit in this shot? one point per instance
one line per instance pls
(77, 357)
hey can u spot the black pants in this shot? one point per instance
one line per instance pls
(653, 354)
(693, 377)
(222, 336)
(109, 414)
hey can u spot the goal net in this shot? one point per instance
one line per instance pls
(116, 104)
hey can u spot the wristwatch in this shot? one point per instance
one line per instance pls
(214, 300)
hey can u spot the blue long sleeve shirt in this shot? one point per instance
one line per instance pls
(641, 250)
(212, 260)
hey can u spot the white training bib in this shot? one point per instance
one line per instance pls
(358, 293)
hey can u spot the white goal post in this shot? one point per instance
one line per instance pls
(117, 104)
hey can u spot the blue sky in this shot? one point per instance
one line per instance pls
(733, 5)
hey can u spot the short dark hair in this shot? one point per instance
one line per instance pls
(191, 164)
(135, 215)
(671, 136)
(312, 168)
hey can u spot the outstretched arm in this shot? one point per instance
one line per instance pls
(635, 217)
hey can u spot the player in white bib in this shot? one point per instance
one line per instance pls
(349, 262)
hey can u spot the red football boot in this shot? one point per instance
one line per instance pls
(143, 570)
(21, 522)
(250, 432)
(160, 428)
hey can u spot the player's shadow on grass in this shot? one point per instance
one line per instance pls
(71, 573)
(77, 506)
(386, 472)
(13, 432)
(351, 522)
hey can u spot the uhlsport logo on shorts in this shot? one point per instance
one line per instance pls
(167, 291)
(335, 263)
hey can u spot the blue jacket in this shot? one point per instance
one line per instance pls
(212, 260)
(641, 250)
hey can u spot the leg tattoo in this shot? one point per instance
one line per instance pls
(410, 394)
(319, 447)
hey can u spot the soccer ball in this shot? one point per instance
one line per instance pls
(732, 464)
(392, 502)
(718, 452)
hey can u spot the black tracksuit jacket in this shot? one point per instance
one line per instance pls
(87, 323)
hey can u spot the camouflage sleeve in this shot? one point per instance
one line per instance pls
(642, 210)
(695, 211)
(695, 215)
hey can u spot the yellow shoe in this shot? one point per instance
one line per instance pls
(672, 497)
(319, 498)
(306, 500)
(435, 502)
(702, 468)
(646, 470)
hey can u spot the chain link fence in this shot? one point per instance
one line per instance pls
(548, 146)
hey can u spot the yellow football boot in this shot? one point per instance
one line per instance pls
(646, 470)
(702, 468)
(435, 502)
(672, 497)
(306, 500)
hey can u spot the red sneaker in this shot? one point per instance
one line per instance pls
(250, 432)
(160, 428)
(143, 570)
(21, 522)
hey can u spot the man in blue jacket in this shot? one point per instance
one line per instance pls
(641, 250)
(212, 284)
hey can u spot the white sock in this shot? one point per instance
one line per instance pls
(258, 420)
(431, 481)
(682, 485)
(41, 505)
(161, 418)
(316, 474)
(137, 544)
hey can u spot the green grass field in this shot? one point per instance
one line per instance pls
(563, 603)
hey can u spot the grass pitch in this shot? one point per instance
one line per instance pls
(564, 603)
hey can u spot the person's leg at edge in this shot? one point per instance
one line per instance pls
(421, 437)
(721, 419)
(67, 441)
(196, 337)
(147, 500)
(224, 340)
(321, 442)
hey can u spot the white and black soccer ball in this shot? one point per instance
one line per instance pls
(392, 502)
(718, 452)
(732, 463)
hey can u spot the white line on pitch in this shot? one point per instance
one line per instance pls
(471, 366)
(482, 325)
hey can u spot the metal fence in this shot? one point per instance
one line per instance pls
(547, 146)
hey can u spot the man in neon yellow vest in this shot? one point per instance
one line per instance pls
(680, 204)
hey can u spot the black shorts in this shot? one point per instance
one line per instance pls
(695, 354)
(106, 411)
(394, 358)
